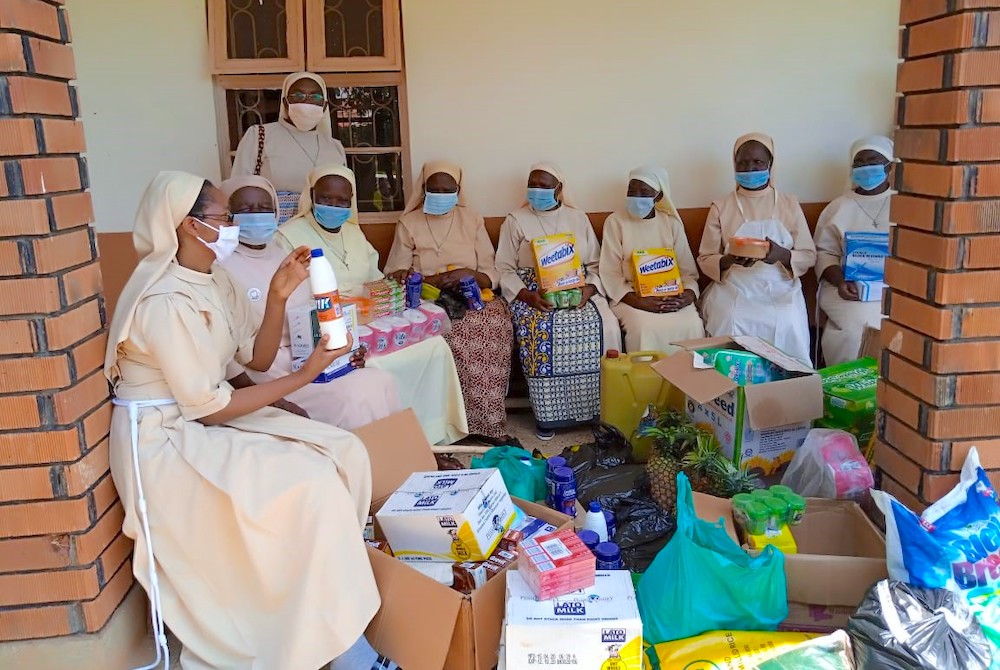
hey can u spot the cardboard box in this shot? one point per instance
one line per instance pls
(557, 262)
(761, 425)
(841, 552)
(870, 291)
(591, 628)
(655, 273)
(424, 625)
(458, 515)
(864, 255)
(871, 343)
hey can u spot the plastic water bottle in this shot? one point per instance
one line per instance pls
(596, 522)
(589, 538)
(609, 556)
(330, 314)
(550, 485)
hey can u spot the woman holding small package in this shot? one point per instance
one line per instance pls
(650, 221)
(865, 209)
(445, 240)
(560, 350)
(755, 248)
(425, 372)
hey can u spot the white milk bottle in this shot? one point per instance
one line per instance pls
(323, 282)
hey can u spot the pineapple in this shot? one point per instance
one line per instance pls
(673, 437)
(703, 465)
(731, 479)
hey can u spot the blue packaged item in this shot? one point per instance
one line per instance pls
(564, 495)
(609, 518)
(473, 296)
(589, 538)
(414, 286)
(864, 255)
(953, 545)
(609, 556)
(550, 485)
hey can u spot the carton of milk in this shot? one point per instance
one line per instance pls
(655, 273)
(598, 627)
(304, 333)
(452, 516)
(557, 262)
(864, 255)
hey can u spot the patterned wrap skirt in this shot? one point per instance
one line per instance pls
(560, 354)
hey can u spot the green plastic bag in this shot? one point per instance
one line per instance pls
(703, 581)
(523, 475)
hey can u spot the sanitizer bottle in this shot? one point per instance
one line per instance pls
(596, 522)
(330, 314)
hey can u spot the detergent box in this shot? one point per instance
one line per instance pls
(864, 255)
(759, 425)
(458, 515)
(597, 627)
(655, 273)
(557, 262)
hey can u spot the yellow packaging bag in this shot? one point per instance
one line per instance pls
(721, 650)
(557, 262)
(655, 273)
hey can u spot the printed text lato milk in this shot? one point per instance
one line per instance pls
(323, 282)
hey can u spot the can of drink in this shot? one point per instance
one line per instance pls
(414, 285)
(564, 497)
(470, 289)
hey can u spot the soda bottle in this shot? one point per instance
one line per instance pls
(330, 314)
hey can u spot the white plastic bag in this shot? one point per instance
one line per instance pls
(829, 464)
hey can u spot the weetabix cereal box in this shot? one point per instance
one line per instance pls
(557, 262)
(655, 273)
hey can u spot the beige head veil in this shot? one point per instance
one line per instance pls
(766, 140)
(325, 127)
(656, 177)
(317, 173)
(430, 168)
(167, 200)
(564, 197)
(233, 184)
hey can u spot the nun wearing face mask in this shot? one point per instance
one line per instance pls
(761, 298)
(560, 350)
(444, 239)
(283, 152)
(649, 221)
(864, 208)
(425, 372)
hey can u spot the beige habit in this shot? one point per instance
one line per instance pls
(623, 234)
(846, 319)
(255, 525)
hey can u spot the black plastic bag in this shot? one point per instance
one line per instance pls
(643, 528)
(902, 627)
(623, 482)
(453, 303)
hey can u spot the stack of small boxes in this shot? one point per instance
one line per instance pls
(387, 297)
(849, 391)
(556, 564)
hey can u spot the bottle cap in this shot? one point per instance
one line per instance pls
(607, 551)
(589, 538)
(595, 506)
(556, 462)
(316, 253)
(613, 353)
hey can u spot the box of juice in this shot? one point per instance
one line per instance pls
(557, 262)
(655, 273)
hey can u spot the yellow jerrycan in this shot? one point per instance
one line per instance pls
(628, 386)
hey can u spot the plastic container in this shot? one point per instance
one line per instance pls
(778, 510)
(419, 325)
(595, 521)
(609, 556)
(564, 491)
(589, 538)
(781, 491)
(756, 516)
(414, 285)
(550, 483)
(401, 330)
(323, 283)
(796, 507)
(628, 386)
(382, 335)
(440, 324)
(366, 338)
(612, 524)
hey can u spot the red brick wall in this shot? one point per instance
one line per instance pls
(940, 390)
(64, 564)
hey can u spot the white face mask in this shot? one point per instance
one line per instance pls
(229, 239)
(306, 116)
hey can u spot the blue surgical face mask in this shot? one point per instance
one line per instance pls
(754, 179)
(542, 199)
(437, 204)
(256, 228)
(639, 206)
(329, 217)
(869, 177)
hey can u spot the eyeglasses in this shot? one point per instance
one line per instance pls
(219, 218)
(312, 98)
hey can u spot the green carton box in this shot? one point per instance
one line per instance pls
(849, 392)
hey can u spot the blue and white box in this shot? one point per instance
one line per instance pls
(864, 256)
(870, 291)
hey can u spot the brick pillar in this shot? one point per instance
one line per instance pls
(940, 387)
(64, 565)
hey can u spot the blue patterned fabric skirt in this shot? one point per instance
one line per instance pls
(560, 354)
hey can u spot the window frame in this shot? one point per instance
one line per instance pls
(218, 42)
(224, 83)
(318, 61)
